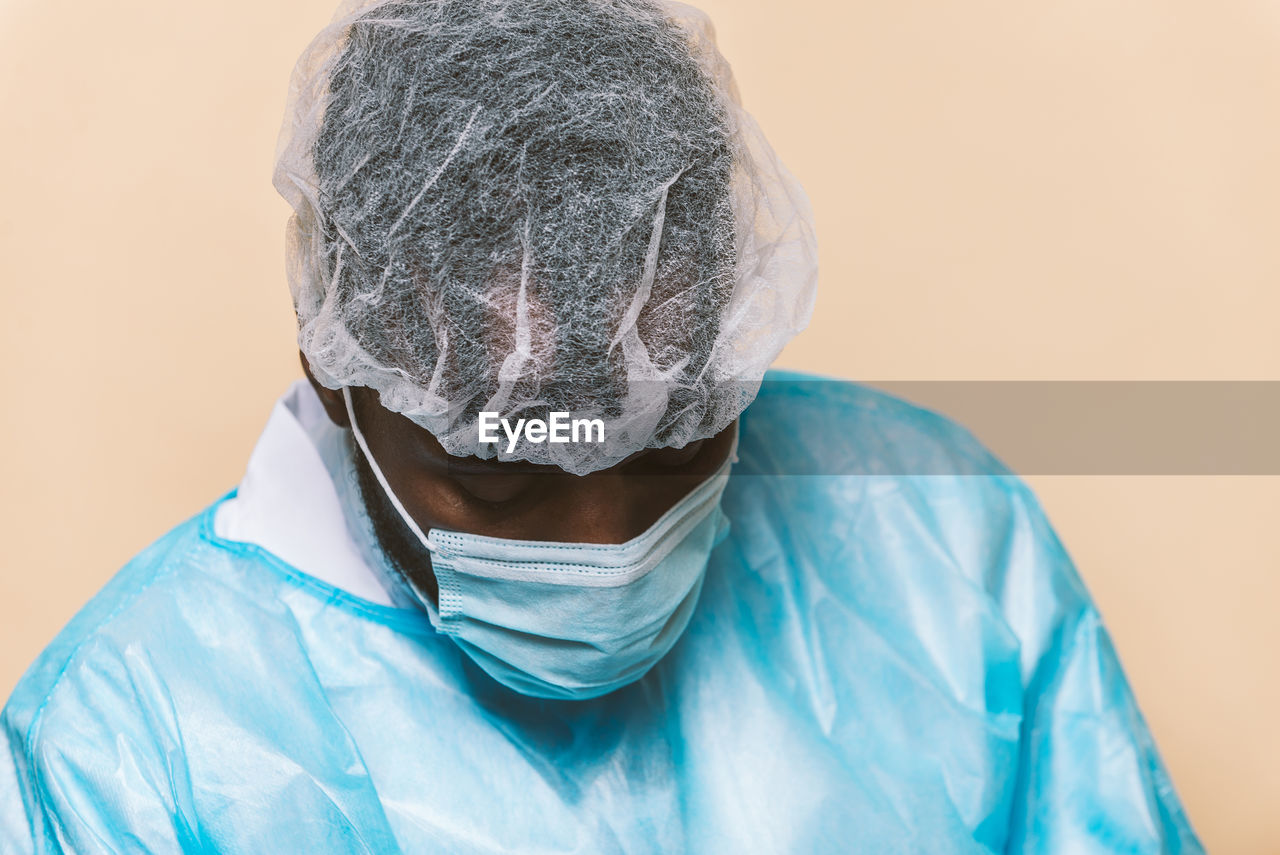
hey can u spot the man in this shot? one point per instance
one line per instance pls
(532, 561)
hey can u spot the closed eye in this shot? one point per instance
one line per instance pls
(496, 488)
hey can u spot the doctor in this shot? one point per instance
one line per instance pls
(756, 613)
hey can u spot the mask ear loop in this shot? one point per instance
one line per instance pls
(377, 471)
(433, 612)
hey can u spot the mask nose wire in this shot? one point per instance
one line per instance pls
(377, 471)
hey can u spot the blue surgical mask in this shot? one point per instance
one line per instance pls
(570, 620)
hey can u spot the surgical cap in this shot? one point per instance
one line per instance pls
(532, 206)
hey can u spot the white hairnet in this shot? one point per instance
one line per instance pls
(528, 206)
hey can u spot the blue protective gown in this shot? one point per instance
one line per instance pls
(885, 662)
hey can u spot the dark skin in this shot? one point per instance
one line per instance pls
(513, 500)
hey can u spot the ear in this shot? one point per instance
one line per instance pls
(335, 408)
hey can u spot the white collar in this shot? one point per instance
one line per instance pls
(288, 502)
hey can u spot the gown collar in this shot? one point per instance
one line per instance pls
(299, 500)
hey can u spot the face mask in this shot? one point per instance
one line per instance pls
(570, 620)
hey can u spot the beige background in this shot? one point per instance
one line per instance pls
(1048, 190)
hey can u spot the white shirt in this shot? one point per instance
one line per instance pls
(298, 500)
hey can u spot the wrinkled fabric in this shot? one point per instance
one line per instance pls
(539, 206)
(877, 663)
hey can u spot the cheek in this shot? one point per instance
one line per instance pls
(408, 457)
(436, 501)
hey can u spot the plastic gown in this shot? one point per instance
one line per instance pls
(878, 663)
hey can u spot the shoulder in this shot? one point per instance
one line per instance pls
(828, 426)
(877, 485)
(101, 725)
(868, 449)
(69, 732)
(128, 622)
